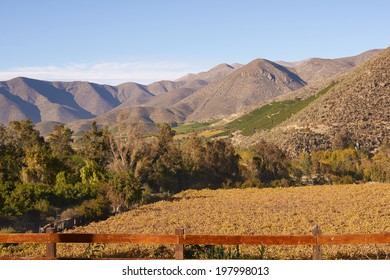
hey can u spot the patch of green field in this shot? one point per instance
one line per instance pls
(193, 127)
(270, 115)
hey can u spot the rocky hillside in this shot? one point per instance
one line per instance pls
(358, 106)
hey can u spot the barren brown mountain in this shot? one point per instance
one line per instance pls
(133, 94)
(219, 92)
(94, 98)
(65, 102)
(319, 69)
(214, 74)
(161, 87)
(40, 101)
(246, 87)
(170, 98)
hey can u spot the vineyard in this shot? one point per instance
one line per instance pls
(338, 209)
(270, 115)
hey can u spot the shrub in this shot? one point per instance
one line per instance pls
(251, 183)
(95, 209)
(280, 183)
(343, 180)
(7, 230)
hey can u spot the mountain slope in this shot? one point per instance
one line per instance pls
(316, 69)
(161, 87)
(214, 74)
(15, 108)
(133, 94)
(319, 69)
(246, 87)
(170, 98)
(94, 98)
(40, 101)
(359, 106)
(272, 114)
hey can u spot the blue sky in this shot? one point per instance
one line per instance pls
(115, 41)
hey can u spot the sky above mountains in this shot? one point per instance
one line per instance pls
(143, 41)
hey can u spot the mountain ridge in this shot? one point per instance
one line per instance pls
(251, 84)
(222, 90)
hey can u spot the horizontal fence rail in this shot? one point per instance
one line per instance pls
(179, 239)
(88, 238)
(197, 239)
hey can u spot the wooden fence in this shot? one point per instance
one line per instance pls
(179, 239)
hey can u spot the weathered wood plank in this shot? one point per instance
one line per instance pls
(51, 248)
(197, 239)
(116, 238)
(380, 238)
(25, 238)
(317, 250)
(179, 248)
(249, 239)
(88, 238)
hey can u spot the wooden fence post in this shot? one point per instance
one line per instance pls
(317, 250)
(179, 248)
(51, 248)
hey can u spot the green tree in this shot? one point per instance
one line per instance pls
(270, 162)
(92, 173)
(302, 168)
(39, 165)
(126, 150)
(23, 135)
(166, 169)
(380, 164)
(193, 153)
(164, 138)
(221, 162)
(209, 163)
(70, 194)
(9, 165)
(94, 145)
(15, 141)
(60, 141)
(124, 189)
(27, 197)
(340, 163)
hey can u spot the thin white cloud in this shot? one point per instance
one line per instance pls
(112, 73)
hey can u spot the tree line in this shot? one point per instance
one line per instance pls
(102, 173)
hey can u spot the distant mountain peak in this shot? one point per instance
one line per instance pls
(221, 66)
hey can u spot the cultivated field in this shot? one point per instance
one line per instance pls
(280, 211)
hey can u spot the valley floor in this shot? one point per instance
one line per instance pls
(337, 209)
